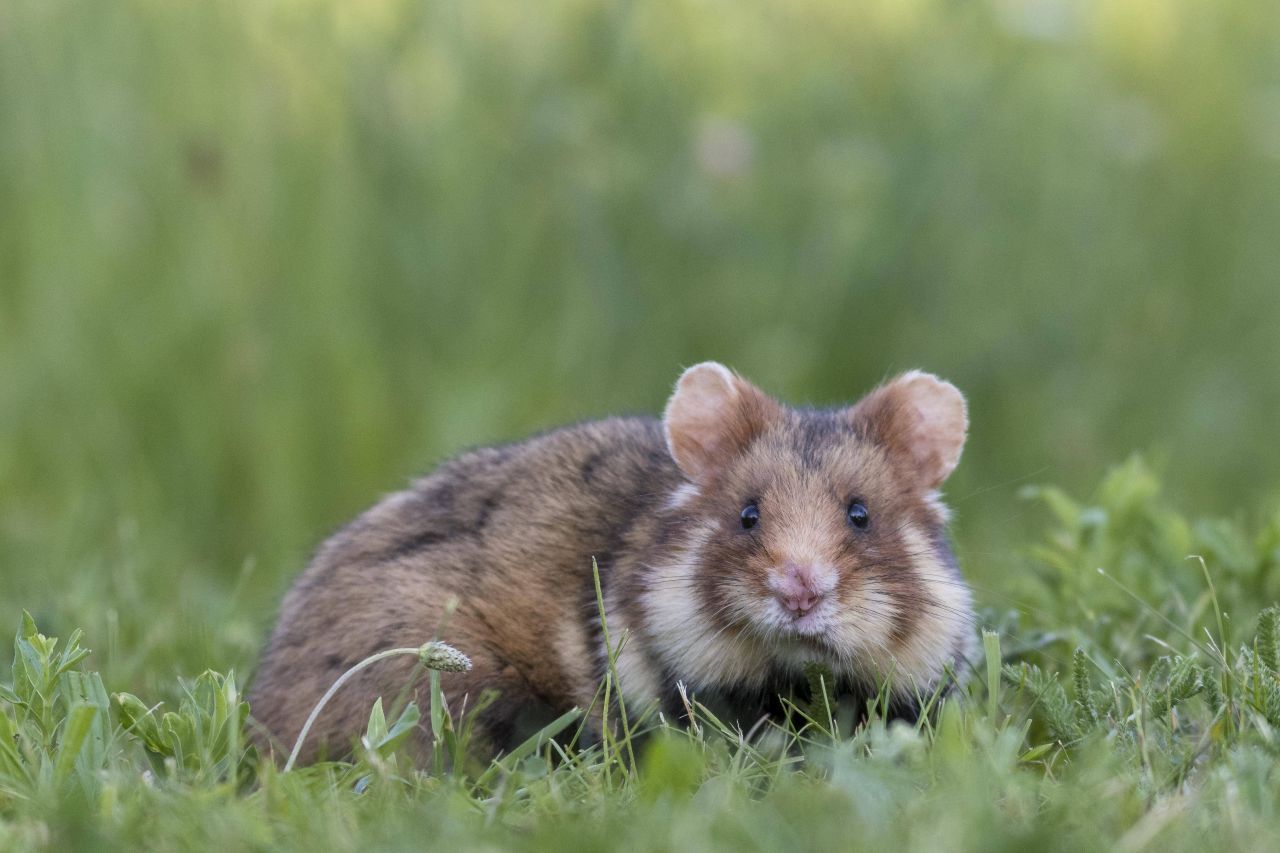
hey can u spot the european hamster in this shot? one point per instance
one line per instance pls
(736, 538)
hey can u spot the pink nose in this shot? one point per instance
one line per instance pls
(796, 589)
(800, 603)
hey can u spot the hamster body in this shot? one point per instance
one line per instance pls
(737, 539)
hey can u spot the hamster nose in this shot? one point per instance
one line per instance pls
(799, 603)
(796, 589)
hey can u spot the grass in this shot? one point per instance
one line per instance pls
(261, 260)
(1141, 715)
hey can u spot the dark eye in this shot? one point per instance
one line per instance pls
(858, 515)
(750, 516)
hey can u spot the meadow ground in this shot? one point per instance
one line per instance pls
(1130, 700)
(260, 262)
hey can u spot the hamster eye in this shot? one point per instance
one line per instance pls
(750, 516)
(858, 515)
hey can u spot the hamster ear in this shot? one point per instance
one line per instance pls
(920, 417)
(712, 416)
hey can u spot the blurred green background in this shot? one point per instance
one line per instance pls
(261, 262)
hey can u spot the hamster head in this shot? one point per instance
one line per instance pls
(814, 535)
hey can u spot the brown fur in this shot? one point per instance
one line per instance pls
(510, 533)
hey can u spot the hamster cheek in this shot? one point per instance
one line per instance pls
(866, 622)
(941, 615)
(687, 618)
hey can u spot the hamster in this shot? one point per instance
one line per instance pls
(737, 539)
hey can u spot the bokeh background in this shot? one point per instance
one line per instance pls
(263, 260)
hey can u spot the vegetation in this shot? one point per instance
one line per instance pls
(261, 260)
(1141, 714)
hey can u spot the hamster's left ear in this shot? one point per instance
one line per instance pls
(712, 417)
(920, 417)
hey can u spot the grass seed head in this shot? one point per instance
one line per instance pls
(443, 657)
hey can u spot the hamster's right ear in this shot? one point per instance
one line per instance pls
(921, 417)
(712, 417)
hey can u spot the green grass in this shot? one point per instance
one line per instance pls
(263, 260)
(1140, 713)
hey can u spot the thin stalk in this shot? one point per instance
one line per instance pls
(611, 654)
(434, 656)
